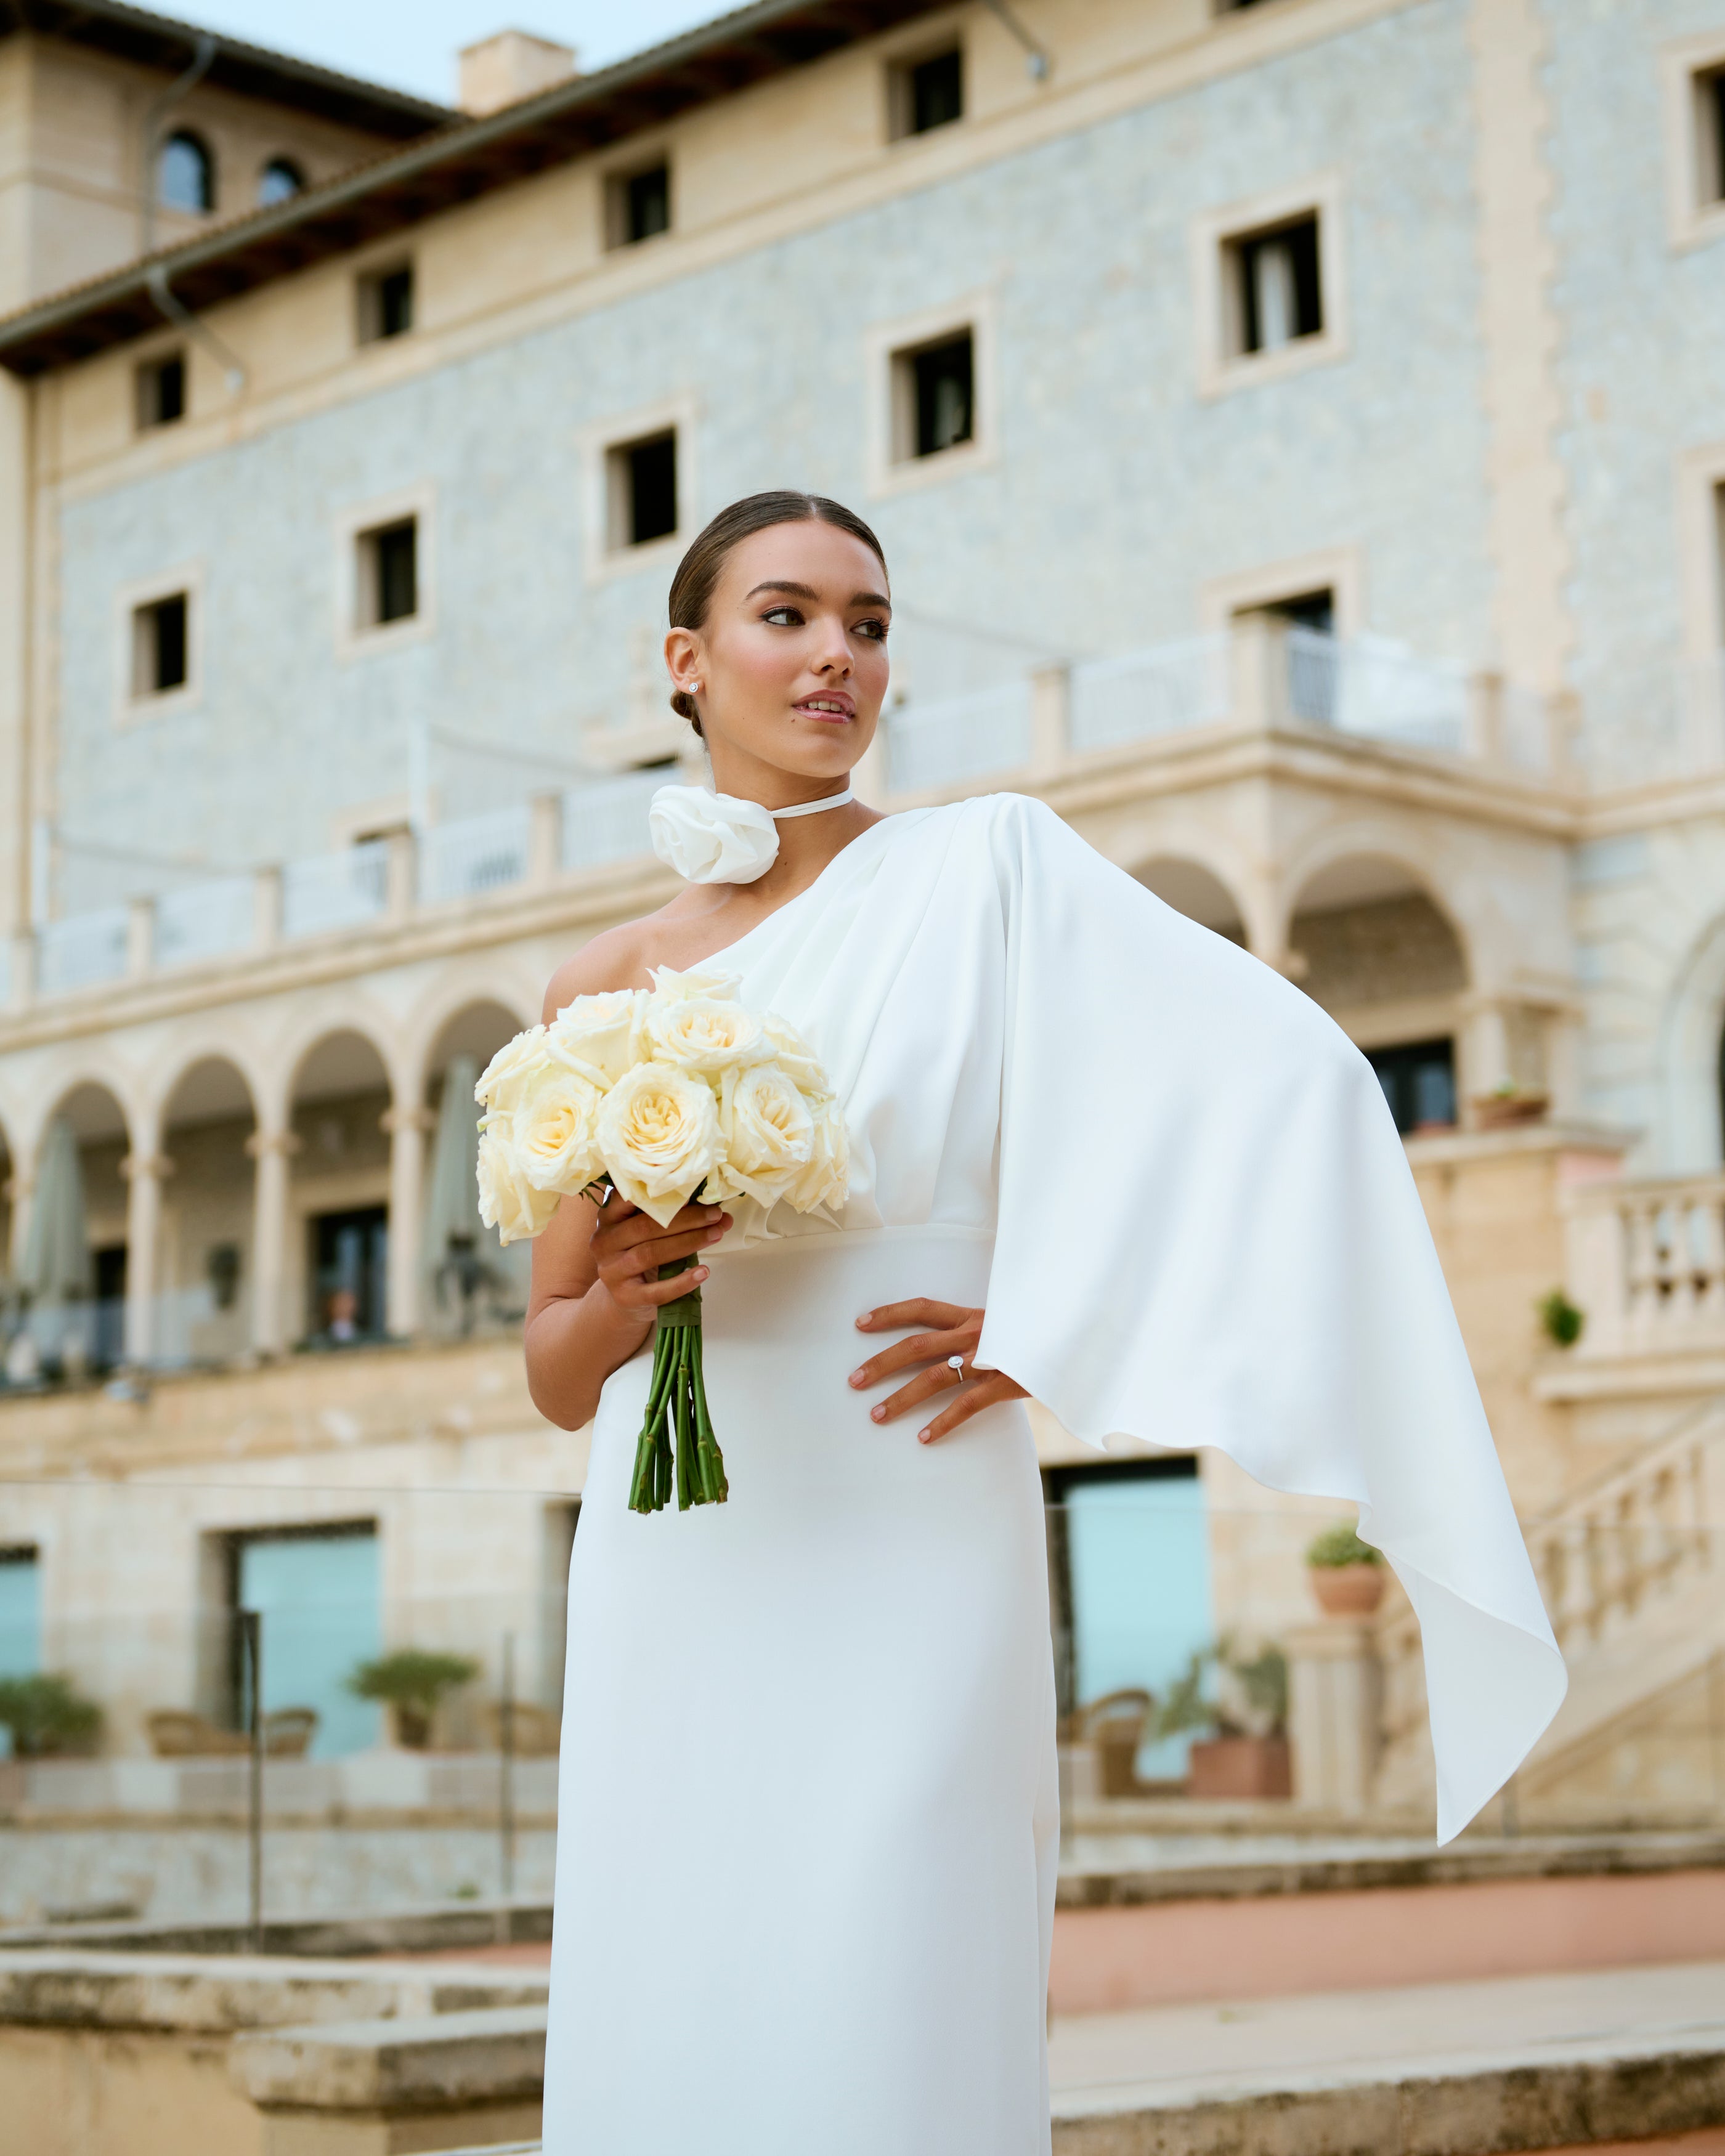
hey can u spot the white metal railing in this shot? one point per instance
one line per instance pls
(335, 891)
(959, 739)
(76, 1338)
(1374, 689)
(82, 951)
(608, 820)
(474, 854)
(1164, 690)
(205, 920)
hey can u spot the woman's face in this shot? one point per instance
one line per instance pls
(791, 661)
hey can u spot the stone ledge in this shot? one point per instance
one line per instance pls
(189, 1994)
(438, 1928)
(443, 2061)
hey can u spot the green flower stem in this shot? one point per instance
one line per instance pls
(677, 1443)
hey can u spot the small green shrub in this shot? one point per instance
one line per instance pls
(1560, 1317)
(47, 1714)
(1341, 1545)
(410, 1677)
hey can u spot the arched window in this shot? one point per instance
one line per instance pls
(279, 179)
(186, 174)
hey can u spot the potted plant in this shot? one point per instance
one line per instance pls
(47, 1715)
(1247, 1709)
(1509, 1104)
(1346, 1574)
(1560, 1320)
(410, 1682)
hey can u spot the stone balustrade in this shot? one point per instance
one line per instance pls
(1646, 1264)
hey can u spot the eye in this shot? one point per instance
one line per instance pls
(784, 617)
(874, 628)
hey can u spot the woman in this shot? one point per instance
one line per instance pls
(808, 1823)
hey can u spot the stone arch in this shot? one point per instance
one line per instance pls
(451, 1021)
(1364, 864)
(1194, 888)
(345, 1015)
(341, 1201)
(206, 1256)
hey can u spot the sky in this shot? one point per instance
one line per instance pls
(411, 44)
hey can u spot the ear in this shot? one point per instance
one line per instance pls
(683, 656)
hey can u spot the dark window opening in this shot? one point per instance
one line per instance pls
(161, 646)
(386, 303)
(1710, 135)
(161, 391)
(1280, 295)
(640, 205)
(279, 181)
(397, 571)
(350, 1261)
(929, 94)
(107, 1344)
(943, 382)
(186, 174)
(1419, 1082)
(644, 490)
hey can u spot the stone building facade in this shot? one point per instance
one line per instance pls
(1295, 431)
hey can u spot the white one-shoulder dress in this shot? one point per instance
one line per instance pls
(807, 1825)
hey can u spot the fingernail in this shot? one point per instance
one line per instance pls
(701, 1272)
(714, 1233)
(856, 1377)
(923, 1436)
(866, 1318)
(877, 1415)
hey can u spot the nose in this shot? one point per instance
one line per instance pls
(834, 656)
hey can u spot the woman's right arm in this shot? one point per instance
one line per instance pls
(596, 1281)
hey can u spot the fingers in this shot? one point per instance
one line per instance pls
(629, 1265)
(624, 1231)
(970, 1399)
(920, 1348)
(919, 1311)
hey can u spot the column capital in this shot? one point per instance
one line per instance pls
(274, 1141)
(406, 1119)
(155, 1166)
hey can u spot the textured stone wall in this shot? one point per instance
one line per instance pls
(1116, 495)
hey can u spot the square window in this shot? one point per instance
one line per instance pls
(161, 645)
(1275, 286)
(927, 93)
(386, 303)
(641, 490)
(161, 391)
(638, 205)
(1708, 89)
(934, 397)
(388, 583)
(1418, 1083)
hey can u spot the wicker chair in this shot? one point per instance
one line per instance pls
(1115, 1725)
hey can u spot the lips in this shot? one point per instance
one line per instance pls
(834, 709)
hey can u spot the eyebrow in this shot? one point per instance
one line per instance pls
(809, 592)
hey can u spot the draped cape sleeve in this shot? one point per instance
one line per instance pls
(1208, 1235)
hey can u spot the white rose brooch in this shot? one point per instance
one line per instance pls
(720, 837)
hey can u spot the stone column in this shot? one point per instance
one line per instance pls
(1050, 719)
(1335, 1690)
(20, 1189)
(144, 1174)
(271, 1150)
(406, 1128)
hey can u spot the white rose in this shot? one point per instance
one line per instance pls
(659, 1135)
(700, 1033)
(768, 1130)
(794, 1055)
(669, 986)
(555, 1134)
(596, 1035)
(515, 1066)
(711, 838)
(508, 1201)
(825, 1180)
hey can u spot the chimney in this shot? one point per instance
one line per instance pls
(513, 64)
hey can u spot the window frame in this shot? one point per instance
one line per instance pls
(1694, 139)
(1217, 236)
(212, 173)
(615, 185)
(148, 371)
(901, 68)
(130, 707)
(889, 349)
(601, 561)
(279, 160)
(355, 636)
(367, 301)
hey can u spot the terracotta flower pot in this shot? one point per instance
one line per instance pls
(1348, 1590)
(1240, 1766)
(413, 1725)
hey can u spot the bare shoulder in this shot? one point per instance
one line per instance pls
(618, 958)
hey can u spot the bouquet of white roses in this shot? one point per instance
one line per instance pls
(662, 1094)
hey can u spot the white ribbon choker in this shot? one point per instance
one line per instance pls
(719, 838)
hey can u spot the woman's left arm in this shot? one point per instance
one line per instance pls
(955, 1330)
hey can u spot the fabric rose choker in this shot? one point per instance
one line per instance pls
(719, 838)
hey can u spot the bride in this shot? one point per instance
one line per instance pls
(807, 1825)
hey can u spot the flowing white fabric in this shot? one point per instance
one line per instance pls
(720, 837)
(805, 1859)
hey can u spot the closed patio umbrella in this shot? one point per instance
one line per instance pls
(56, 1267)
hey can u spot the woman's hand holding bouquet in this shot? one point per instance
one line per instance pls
(662, 1095)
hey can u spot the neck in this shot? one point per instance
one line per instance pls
(806, 844)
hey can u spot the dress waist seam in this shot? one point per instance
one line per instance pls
(856, 1238)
